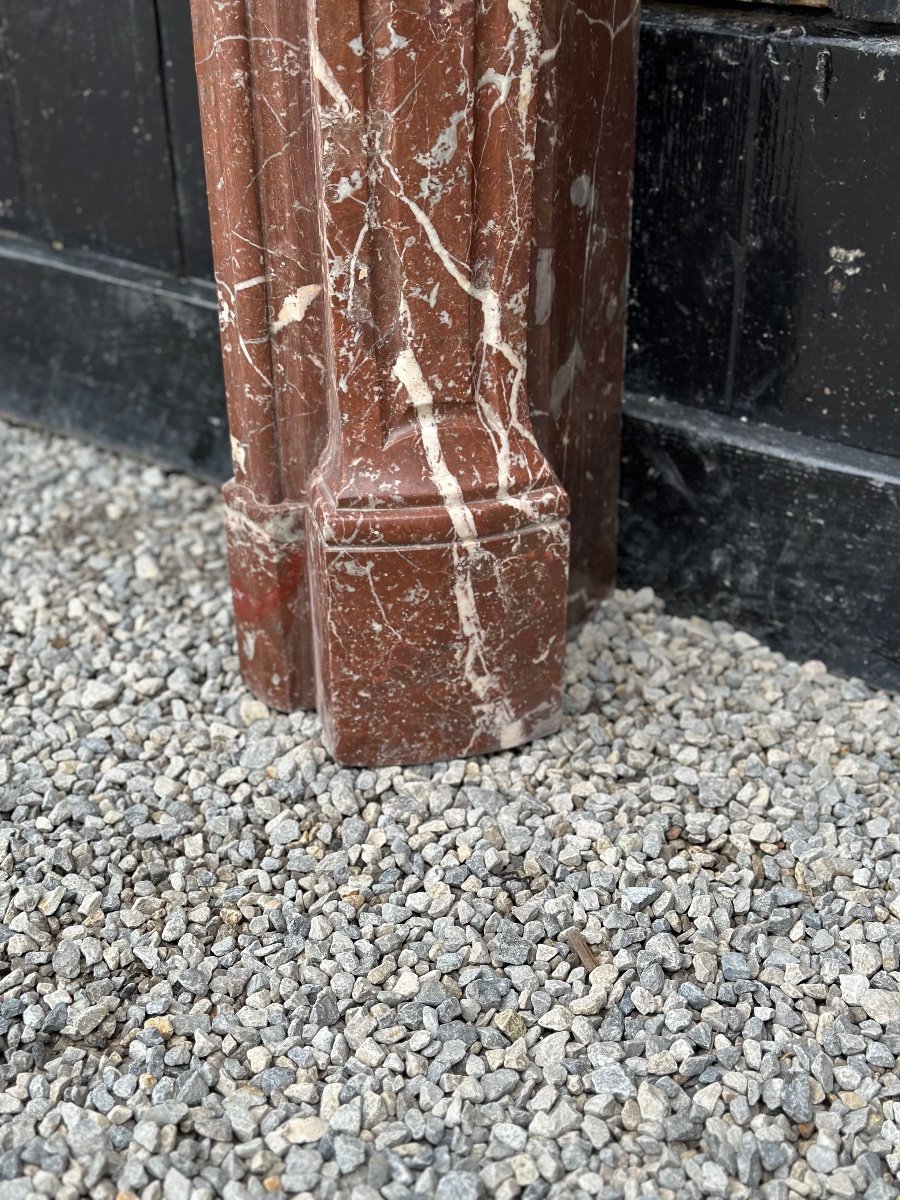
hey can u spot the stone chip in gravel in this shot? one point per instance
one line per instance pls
(881, 1006)
(299, 1130)
(67, 959)
(97, 694)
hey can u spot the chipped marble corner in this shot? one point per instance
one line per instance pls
(267, 564)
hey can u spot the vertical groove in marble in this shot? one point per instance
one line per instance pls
(386, 271)
(255, 96)
(286, 180)
(585, 153)
(222, 45)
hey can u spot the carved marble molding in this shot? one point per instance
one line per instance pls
(411, 226)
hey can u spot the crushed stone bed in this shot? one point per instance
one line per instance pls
(655, 956)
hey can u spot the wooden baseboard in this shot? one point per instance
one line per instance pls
(790, 537)
(113, 352)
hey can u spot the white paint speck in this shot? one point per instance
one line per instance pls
(296, 306)
(543, 286)
(581, 193)
(845, 257)
(238, 453)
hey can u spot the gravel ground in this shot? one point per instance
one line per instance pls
(654, 956)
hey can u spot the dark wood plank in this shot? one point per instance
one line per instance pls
(696, 115)
(886, 12)
(122, 355)
(765, 203)
(789, 537)
(13, 212)
(819, 350)
(90, 126)
(183, 110)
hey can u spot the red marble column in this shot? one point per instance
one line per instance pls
(439, 538)
(396, 531)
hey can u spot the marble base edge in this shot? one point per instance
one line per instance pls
(430, 652)
(267, 562)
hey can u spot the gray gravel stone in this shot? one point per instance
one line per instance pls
(459, 1185)
(610, 1079)
(636, 899)
(795, 1099)
(821, 1159)
(67, 960)
(881, 1006)
(280, 977)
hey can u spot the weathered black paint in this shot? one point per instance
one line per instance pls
(764, 485)
(12, 208)
(788, 536)
(177, 66)
(118, 353)
(766, 248)
(877, 11)
(103, 221)
(90, 138)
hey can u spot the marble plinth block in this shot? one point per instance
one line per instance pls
(405, 202)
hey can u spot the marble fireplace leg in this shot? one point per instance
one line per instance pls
(438, 531)
(398, 539)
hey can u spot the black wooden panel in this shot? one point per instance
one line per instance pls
(116, 353)
(688, 205)
(766, 255)
(12, 208)
(90, 126)
(879, 11)
(789, 537)
(184, 125)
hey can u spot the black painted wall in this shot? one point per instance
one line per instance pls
(107, 310)
(761, 473)
(766, 252)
